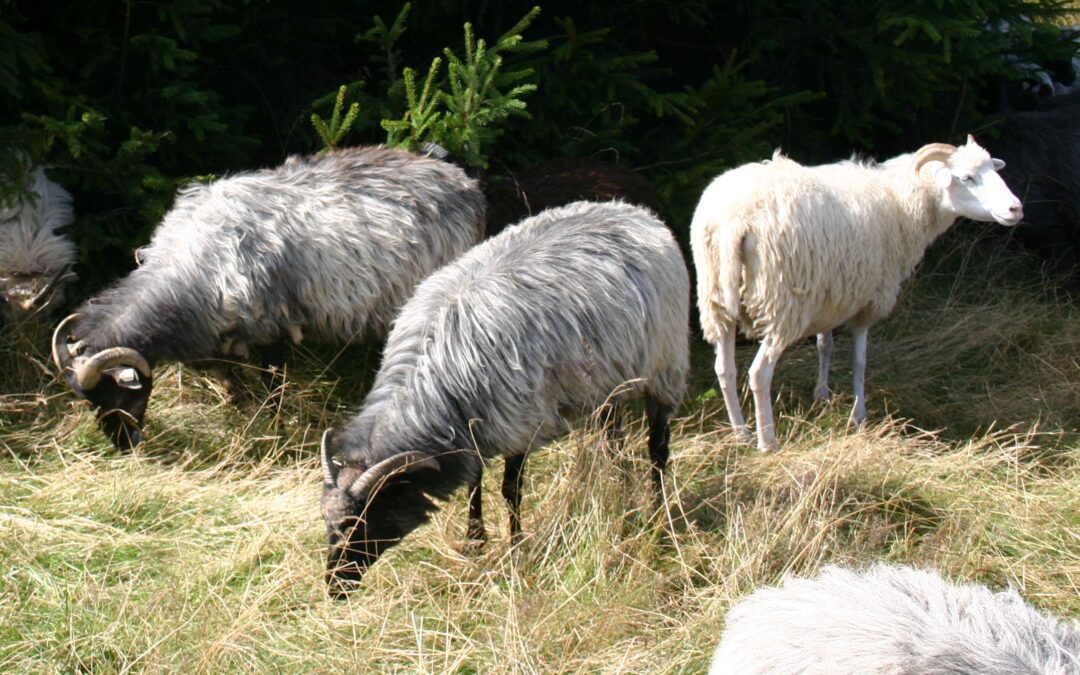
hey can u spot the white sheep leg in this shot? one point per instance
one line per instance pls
(761, 373)
(824, 352)
(725, 373)
(858, 374)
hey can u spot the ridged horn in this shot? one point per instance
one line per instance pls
(61, 355)
(929, 153)
(88, 373)
(329, 469)
(404, 462)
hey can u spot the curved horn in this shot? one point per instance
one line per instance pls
(60, 353)
(404, 462)
(932, 152)
(88, 373)
(329, 469)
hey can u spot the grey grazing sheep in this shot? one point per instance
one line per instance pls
(786, 251)
(329, 245)
(895, 620)
(35, 260)
(550, 317)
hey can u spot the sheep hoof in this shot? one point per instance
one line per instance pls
(743, 436)
(472, 544)
(768, 445)
(821, 396)
(857, 419)
(475, 538)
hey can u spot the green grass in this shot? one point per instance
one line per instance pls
(202, 550)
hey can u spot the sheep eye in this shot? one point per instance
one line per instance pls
(967, 179)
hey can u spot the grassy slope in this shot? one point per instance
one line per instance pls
(203, 550)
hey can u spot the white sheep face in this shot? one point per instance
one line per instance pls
(973, 189)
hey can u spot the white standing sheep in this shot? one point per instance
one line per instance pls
(895, 620)
(35, 260)
(786, 251)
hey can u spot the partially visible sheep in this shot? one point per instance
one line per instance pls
(786, 251)
(329, 245)
(1041, 150)
(1034, 85)
(561, 181)
(551, 317)
(35, 260)
(895, 620)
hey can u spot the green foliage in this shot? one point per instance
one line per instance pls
(893, 73)
(385, 38)
(332, 133)
(480, 95)
(103, 104)
(738, 122)
(463, 112)
(600, 91)
(421, 114)
(126, 101)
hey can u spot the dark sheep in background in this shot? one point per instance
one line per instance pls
(561, 181)
(1041, 150)
(330, 244)
(553, 316)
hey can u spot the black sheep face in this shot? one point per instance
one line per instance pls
(121, 398)
(362, 526)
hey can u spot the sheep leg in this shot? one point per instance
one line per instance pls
(725, 373)
(761, 373)
(824, 351)
(659, 415)
(511, 492)
(475, 534)
(858, 376)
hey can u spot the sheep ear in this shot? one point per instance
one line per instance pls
(124, 377)
(998, 164)
(971, 140)
(943, 178)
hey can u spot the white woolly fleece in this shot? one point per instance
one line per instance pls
(32, 253)
(892, 620)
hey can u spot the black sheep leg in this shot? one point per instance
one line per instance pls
(475, 534)
(659, 436)
(511, 491)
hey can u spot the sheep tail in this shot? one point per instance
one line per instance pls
(718, 259)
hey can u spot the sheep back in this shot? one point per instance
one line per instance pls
(329, 244)
(551, 317)
(891, 619)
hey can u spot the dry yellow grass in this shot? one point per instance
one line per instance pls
(202, 551)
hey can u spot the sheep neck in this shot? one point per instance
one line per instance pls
(925, 217)
(156, 317)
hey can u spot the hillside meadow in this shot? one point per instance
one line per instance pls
(202, 551)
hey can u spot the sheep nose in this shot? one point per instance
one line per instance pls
(1017, 210)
